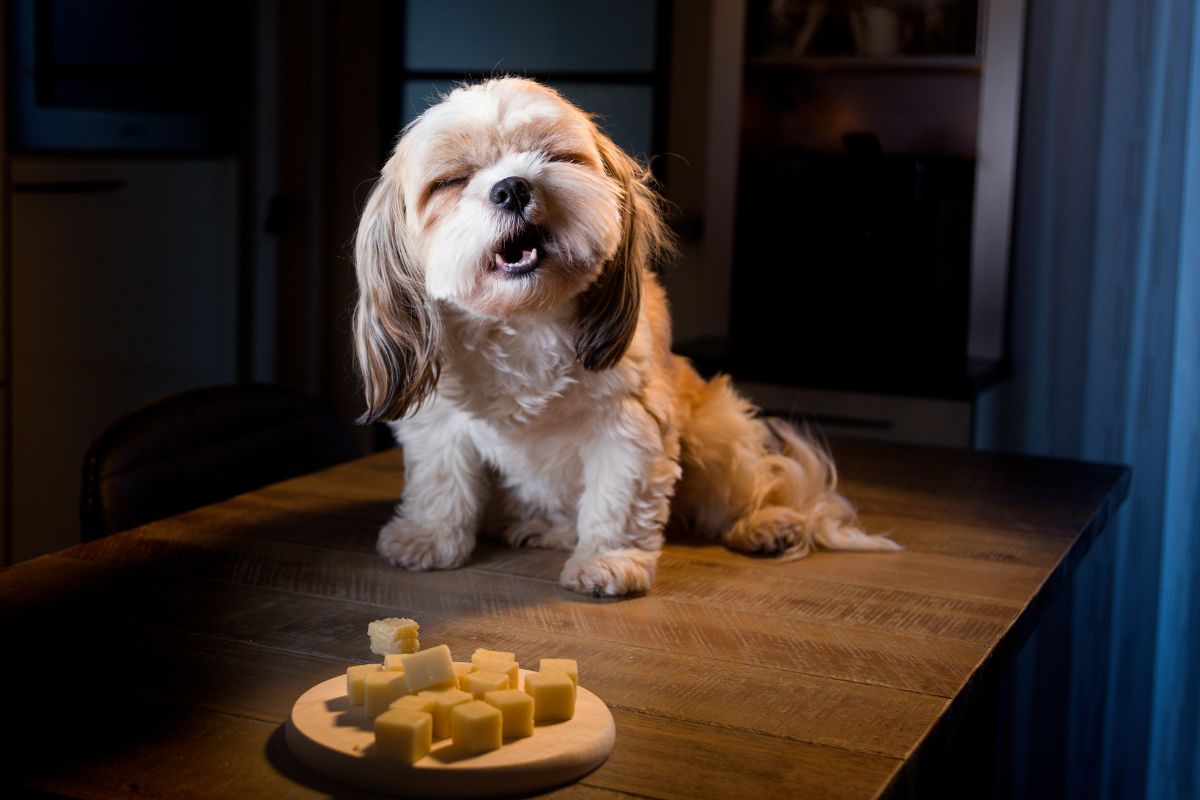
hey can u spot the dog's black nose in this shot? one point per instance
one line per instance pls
(511, 194)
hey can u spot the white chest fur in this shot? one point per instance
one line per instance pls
(510, 374)
(516, 391)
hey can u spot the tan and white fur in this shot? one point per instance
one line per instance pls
(510, 327)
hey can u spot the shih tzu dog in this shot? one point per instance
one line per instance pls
(510, 326)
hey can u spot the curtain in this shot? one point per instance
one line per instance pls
(1105, 347)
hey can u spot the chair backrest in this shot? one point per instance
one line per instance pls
(202, 446)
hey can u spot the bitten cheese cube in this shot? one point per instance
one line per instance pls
(429, 669)
(355, 676)
(393, 635)
(392, 662)
(479, 682)
(509, 668)
(403, 734)
(381, 689)
(476, 727)
(440, 705)
(566, 665)
(516, 708)
(412, 702)
(461, 670)
(492, 655)
(553, 695)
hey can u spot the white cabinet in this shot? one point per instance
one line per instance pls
(124, 288)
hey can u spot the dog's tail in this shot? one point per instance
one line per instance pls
(801, 475)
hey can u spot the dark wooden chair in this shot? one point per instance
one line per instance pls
(202, 446)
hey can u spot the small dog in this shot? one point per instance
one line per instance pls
(510, 327)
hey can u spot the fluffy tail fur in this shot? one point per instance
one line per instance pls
(759, 485)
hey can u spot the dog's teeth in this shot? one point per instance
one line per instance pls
(527, 259)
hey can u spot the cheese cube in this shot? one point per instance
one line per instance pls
(392, 662)
(509, 668)
(553, 695)
(440, 705)
(566, 665)
(429, 669)
(492, 655)
(461, 670)
(403, 734)
(355, 676)
(393, 635)
(479, 682)
(476, 727)
(412, 702)
(381, 689)
(516, 708)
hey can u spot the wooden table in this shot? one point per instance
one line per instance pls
(161, 662)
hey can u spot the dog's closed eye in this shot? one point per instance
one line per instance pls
(439, 186)
(570, 158)
(447, 183)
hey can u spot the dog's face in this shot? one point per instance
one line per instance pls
(503, 199)
(509, 206)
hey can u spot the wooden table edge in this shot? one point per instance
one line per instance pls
(985, 676)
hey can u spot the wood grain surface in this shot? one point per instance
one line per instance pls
(163, 661)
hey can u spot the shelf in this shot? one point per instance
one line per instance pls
(962, 382)
(911, 63)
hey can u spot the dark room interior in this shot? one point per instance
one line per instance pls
(955, 242)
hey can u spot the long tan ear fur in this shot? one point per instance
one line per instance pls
(397, 330)
(608, 309)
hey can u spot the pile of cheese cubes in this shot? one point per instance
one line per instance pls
(417, 698)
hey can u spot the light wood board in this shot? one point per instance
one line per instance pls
(337, 740)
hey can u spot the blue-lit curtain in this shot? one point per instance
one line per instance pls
(1106, 355)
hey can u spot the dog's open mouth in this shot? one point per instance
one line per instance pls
(519, 255)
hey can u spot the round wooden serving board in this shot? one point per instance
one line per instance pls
(337, 740)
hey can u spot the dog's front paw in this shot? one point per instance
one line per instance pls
(410, 545)
(611, 574)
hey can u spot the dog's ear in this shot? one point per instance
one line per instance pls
(397, 331)
(608, 309)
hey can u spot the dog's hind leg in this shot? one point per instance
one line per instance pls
(758, 485)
